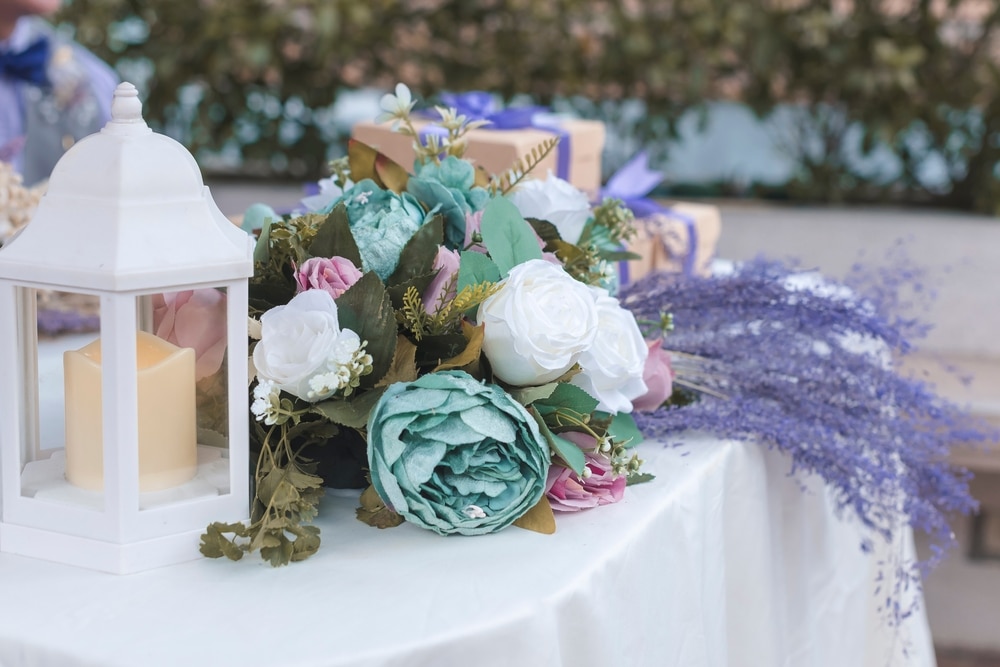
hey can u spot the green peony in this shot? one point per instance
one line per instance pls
(381, 223)
(455, 455)
(449, 185)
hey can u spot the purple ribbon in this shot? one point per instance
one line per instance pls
(480, 105)
(632, 183)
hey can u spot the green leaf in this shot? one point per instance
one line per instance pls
(397, 292)
(374, 512)
(475, 268)
(624, 430)
(334, 238)
(569, 397)
(366, 309)
(352, 413)
(571, 455)
(528, 395)
(417, 256)
(545, 229)
(509, 239)
(639, 478)
(618, 255)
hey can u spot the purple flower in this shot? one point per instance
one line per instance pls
(442, 288)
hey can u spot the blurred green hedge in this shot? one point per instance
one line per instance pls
(251, 83)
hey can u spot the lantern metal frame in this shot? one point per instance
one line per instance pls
(105, 229)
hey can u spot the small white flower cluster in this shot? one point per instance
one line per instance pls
(266, 404)
(347, 362)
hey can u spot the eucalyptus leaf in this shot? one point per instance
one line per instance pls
(623, 429)
(509, 239)
(475, 268)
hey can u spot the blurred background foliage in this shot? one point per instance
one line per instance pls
(252, 86)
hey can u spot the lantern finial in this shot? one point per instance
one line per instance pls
(125, 106)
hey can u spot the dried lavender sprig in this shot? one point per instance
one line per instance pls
(805, 370)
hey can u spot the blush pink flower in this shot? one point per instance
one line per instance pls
(333, 275)
(569, 492)
(195, 319)
(442, 287)
(658, 376)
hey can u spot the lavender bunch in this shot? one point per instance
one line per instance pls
(807, 368)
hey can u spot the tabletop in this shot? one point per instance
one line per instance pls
(722, 560)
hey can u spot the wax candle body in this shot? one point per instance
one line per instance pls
(168, 434)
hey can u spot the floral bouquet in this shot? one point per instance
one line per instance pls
(447, 339)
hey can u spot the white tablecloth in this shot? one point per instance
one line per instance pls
(720, 561)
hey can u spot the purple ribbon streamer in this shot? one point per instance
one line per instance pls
(480, 105)
(631, 184)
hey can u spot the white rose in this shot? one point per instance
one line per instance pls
(555, 200)
(537, 324)
(612, 367)
(298, 341)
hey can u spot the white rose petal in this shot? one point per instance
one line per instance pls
(612, 367)
(296, 341)
(557, 201)
(537, 324)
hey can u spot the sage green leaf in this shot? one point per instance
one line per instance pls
(624, 430)
(366, 309)
(568, 397)
(639, 478)
(509, 239)
(475, 268)
(528, 395)
(334, 238)
(571, 455)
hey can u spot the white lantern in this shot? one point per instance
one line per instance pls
(117, 451)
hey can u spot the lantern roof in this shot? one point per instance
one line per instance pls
(126, 209)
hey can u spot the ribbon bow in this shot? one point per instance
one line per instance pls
(28, 65)
(632, 184)
(481, 105)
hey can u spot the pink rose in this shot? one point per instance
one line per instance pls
(569, 492)
(658, 376)
(443, 286)
(195, 319)
(333, 275)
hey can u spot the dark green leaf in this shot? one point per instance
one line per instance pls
(419, 283)
(509, 239)
(334, 238)
(545, 229)
(365, 308)
(353, 412)
(417, 256)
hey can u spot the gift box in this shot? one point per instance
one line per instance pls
(498, 150)
(681, 239)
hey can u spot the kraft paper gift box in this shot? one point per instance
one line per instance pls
(498, 150)
(665, 240)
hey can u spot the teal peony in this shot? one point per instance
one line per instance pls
(454, 455)
(449, 185)
(381, 223)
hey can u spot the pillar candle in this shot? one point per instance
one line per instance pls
(168, 437)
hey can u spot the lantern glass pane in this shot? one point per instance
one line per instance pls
(192, 389)
(62, 438)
